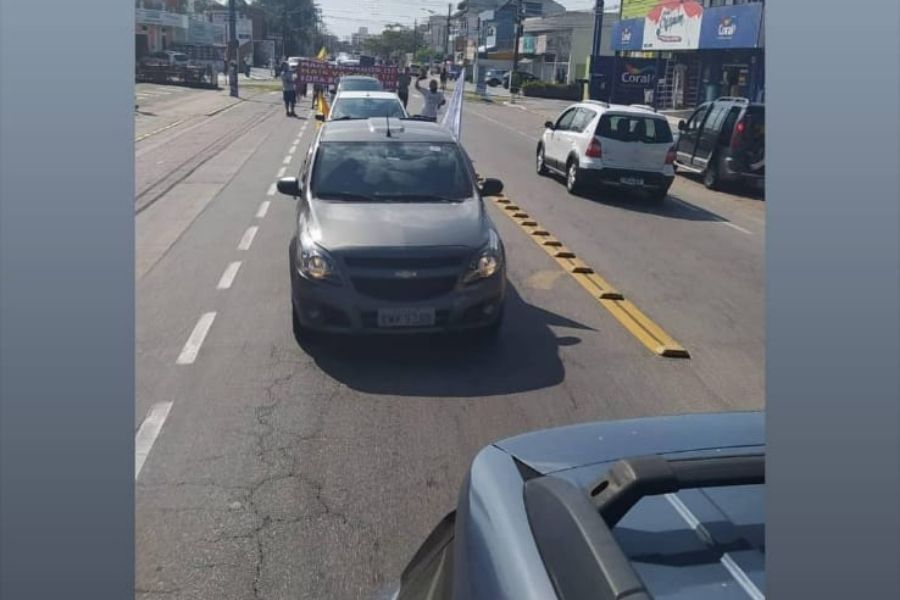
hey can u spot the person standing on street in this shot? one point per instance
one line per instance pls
(434, 99)
(443, 77)
(287, 90)
(403, 81)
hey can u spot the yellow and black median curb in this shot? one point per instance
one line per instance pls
(637, 323)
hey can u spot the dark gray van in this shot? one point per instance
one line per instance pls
(724, 141)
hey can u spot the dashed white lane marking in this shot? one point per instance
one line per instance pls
(281, 172)
(738, 227)
(292, 149)
(297, 141)
(272, 189)
(247, 240)
(287, 159)
(263, 209)
(192, 346)
(228, 276)
(146, 435)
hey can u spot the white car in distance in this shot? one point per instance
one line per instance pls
(365, 105)
(598, 145)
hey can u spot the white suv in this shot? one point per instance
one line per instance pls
(600, 144)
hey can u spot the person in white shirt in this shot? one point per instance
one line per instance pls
(434, 99)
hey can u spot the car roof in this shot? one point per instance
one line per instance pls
(635, 109)
(689, 543)
(377, 94)
(375, 130)
(358, 77)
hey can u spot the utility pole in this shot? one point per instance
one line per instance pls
(449, 16)
(232, 49)
(513, 80)
(595, 52)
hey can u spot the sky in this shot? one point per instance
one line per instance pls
(344, 17)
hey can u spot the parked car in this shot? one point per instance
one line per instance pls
(595, 144)
(521, 77)
(365, 105)
(494, 77)
(165, 58)
(359, 83)
(724, 141)
(392, 234)
(664, 507)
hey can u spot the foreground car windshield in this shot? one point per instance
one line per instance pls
(391, 171)
(363, 108)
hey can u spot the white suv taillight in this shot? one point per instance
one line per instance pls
(594, 150)
(670, 156)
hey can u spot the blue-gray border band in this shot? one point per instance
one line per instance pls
(66, 300)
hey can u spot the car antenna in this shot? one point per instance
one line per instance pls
(387, 118)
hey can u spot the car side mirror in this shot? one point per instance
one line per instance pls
(682, 125)
(491, 187)
(548, 125)
(290, 186)
(320, 117)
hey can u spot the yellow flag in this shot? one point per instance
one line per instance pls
(323, 54)
(323, 105)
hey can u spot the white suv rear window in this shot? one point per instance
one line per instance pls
(634, 128)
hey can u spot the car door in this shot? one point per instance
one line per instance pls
(556, 139)
(708, 136)
(687, 141)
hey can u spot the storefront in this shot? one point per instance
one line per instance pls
(158, 30)
(703, 53)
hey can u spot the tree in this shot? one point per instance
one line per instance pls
(299, 23)
(393, 43)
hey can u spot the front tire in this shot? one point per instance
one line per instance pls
(541, 165)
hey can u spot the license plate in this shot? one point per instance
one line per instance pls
(406, 317)
(632, 181)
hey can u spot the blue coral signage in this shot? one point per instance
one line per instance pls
(731, 26)
(628, 34)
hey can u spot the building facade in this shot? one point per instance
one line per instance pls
(704, 49)
(557, 48)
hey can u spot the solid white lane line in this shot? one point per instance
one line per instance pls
(292, 150)
(281, 172)
(738, 227)
(228, 276)
(247, 240)
(192, 346)
(287, 159)
(263, 209)
(272, 189)
(146, 435)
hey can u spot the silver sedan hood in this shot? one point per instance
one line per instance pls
(338, 225)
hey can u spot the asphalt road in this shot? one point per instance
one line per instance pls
(280, 472)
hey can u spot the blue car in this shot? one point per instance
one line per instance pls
(666, 507)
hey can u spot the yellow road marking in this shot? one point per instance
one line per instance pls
(635, 322)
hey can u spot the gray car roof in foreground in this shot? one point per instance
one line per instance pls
(375, 130)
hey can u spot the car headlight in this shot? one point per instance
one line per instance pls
(314, 263)
(487, 262)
